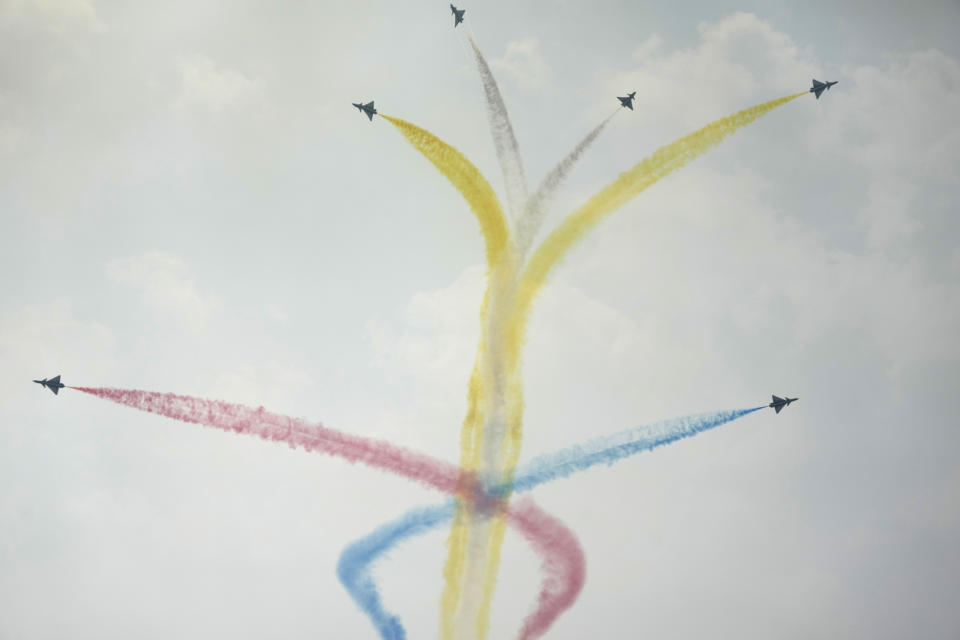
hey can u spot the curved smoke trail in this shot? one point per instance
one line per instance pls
(467, 179)
(562, 561)
(357, 560)
(561, 556)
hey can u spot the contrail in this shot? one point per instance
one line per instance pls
(356, 561)
(559, 549)
(535, 209)
(505, 142)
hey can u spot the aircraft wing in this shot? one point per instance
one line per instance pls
(777, 407)
(54, 381)
(56, 390)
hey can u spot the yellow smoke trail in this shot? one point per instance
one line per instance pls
(628, 185)
(467, 179)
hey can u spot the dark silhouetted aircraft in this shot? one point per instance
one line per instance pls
(366, 108)
(53, 384)
(819, 87)
(457, 15)
(779, 403)
(628, 101)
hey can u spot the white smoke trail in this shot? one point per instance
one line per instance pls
(508, 152)
(535, 210)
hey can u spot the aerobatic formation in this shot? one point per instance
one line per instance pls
(480, 489)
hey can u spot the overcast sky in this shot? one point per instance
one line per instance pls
(189, 203)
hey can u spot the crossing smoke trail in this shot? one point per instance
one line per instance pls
(561, 555)
(487, 376)
(505, 142)
(628, 185)
(357, 560)
(562, 562)
(474, 542)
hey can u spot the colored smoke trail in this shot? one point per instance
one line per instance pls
(468, 550)
(295, 432)
(483, 202)
(627, 186)
(357, 560)
(535, 210)
(540, 529)
(504, 140)
(468, 181)
(562, 563)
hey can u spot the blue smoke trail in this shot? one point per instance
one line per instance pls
(352, 568)
(355, 562)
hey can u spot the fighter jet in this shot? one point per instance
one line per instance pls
(53, 384)
(779, 403)
(818, 87)
(366, 108)
(457, 15)
(628, 101)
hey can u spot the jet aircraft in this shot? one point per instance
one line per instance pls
(819, 87)
(457, 15)
(366, 108)
(628, 101)
(53, 384)
(779, 403)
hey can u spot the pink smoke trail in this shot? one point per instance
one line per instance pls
(563, 565)
(562, 558)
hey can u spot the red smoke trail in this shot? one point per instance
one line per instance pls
(561, 555)
(293, 431)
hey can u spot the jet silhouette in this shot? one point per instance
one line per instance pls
(779, 403)
(457, 15)
(819, 87)
(366, 108)
(53, 384)
(628, 101)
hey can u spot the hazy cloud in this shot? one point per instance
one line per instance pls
(166, 287)
(523, 63)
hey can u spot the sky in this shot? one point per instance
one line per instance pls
(189, 203)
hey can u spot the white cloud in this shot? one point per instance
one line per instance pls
(648, 47)
(738, 59)
(47, 337)
(166, 287)
(897, 122)
(206, 86)
(522, 62)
